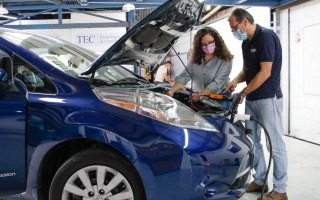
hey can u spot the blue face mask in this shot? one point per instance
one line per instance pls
(239, 35)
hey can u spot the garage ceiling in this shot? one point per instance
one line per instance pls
(58, 9)
(38, 5)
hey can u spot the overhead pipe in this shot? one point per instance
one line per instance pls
(210, 13)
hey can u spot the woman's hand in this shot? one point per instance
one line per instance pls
(170, 93)
(195, 97)
(176, 86)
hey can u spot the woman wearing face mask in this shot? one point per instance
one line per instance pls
(209, 67)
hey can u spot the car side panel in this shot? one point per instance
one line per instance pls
(12, 142)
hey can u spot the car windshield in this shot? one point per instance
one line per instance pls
(65, 56)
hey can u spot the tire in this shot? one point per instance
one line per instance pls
(76, 179)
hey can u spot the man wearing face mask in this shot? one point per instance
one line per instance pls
(262, 59)
(209, 67)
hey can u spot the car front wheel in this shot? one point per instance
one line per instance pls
(98, 175)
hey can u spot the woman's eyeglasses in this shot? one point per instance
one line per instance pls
(208, 45)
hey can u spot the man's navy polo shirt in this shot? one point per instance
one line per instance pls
(264, 47)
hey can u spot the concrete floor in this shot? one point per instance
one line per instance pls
(303, 171)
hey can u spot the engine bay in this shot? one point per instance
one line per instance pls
(205, 106)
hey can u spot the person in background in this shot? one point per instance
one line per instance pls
(209, 66)
(262, 59)
(162, 75)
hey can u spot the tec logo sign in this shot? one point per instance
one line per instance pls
(96, 39)
(86, 39)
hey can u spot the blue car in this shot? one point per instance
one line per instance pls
(78, 126)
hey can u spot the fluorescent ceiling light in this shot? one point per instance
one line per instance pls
(3, 10)
(7, 16)
(207, 7)
(128, 7)
(83, 2)
(240, 1)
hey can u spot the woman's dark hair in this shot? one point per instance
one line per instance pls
(240, 14)
(221, 50)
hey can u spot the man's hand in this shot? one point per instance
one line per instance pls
(241, 98)
(231, 87)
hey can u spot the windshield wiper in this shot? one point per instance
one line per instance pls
(129, 80)
(97, 82)
(100, 82)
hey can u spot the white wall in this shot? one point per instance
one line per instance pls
(304, 41)
(95, 39)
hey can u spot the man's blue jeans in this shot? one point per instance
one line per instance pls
(269, 113)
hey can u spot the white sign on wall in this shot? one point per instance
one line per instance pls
(96, 39)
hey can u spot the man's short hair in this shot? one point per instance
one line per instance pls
(240, 14)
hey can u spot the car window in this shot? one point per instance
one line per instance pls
(65, 56)
(5, 72)
(34, 80)
(69, 58)
(5, 64)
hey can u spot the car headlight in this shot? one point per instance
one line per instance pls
(157, 106)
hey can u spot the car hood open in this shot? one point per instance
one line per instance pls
(149, 41)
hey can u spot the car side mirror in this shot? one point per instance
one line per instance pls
(4, 81)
